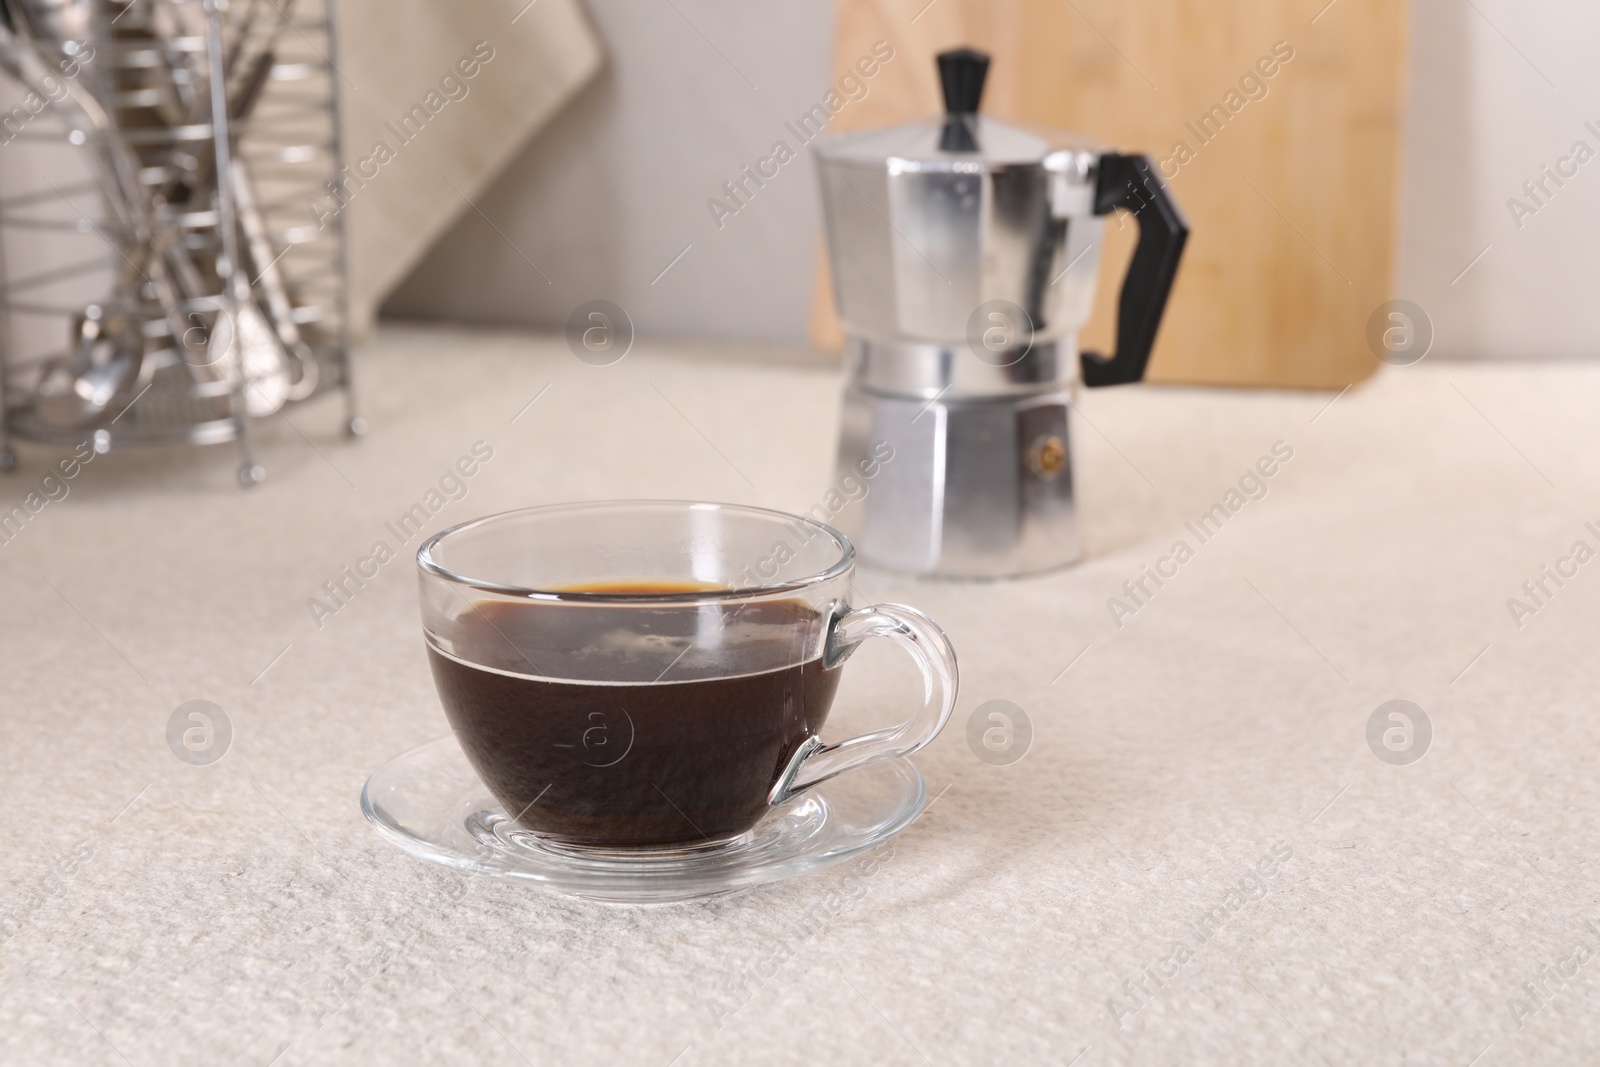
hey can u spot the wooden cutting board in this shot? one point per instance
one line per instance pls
(1290, 187)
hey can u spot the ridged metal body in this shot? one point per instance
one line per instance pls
(962, 279)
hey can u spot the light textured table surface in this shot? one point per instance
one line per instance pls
(154, 912)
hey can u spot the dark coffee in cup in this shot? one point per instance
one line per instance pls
(568, 716)
(651, 674)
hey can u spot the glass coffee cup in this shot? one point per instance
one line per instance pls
(655, 675)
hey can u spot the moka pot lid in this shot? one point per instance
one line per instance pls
(961, 139)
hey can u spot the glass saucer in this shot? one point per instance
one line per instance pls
(429, 801)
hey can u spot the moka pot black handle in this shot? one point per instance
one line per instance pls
(1131, 183)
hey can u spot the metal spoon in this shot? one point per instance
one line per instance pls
(270, 280)
(107, 365)
(119, 179)
(56, 21)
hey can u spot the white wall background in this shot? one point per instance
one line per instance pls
(605, 198)
(616, 187)
(1500, 88)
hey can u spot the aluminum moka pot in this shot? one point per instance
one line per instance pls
(964, 254)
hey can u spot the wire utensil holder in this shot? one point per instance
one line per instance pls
(161, 278)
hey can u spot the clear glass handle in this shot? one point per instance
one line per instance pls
(917, 634)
